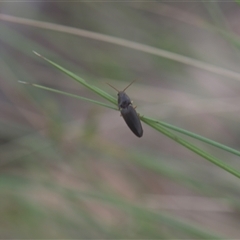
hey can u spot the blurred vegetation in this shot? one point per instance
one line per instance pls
(71, 169)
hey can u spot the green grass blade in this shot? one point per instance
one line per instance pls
(196, 136)
(70, 95)
(80, 80)
(193, 148)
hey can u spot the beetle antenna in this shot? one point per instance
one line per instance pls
(112, 87)
(128, 85)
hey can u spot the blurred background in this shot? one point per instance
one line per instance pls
(72, 169)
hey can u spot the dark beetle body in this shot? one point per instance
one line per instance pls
(129, 114)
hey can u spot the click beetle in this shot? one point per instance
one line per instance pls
(128, 112)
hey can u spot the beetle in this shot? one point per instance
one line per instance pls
(128, 112)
